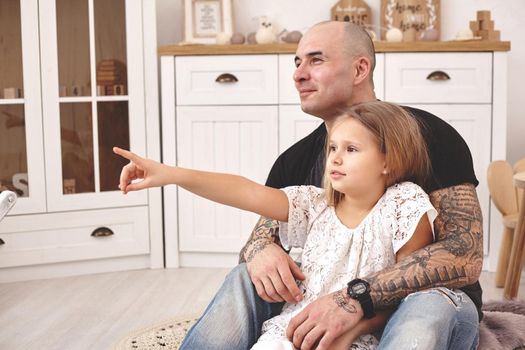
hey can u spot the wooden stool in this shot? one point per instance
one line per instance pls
(517, 255)
(503, 195)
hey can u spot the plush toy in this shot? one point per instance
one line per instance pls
(266, 32)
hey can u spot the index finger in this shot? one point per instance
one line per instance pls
(127, 154)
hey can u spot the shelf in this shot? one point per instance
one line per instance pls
(11, 101)
(381, 46)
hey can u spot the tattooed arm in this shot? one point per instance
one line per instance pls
(272, 271)
(265, 232)
(453, 261)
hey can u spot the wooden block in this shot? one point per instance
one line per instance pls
(494, 35)
(62, 91)
(76, 90)
(486, 25)
(12, 92)
(484, 34)
(119, 89)
(474, 26)
(69, 186)
(483, 15)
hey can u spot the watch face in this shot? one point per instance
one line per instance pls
(359, 288)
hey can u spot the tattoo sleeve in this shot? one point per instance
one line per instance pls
(454, 260)
(265, 232)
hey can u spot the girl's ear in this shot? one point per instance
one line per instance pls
(385, 169)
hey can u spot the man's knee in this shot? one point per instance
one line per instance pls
(431, 319)
(440, 304)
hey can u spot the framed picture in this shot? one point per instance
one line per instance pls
(412, 17)
(204, 19)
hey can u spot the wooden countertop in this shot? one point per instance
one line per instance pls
(381, 46)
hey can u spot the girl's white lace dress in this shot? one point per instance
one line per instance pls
(334, 254)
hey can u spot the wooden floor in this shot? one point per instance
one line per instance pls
(95, 311)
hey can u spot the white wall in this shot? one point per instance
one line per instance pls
(455, 15)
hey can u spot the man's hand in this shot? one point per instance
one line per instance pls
(273, 272)
(320, 323)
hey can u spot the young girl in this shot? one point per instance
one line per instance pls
(368, 215)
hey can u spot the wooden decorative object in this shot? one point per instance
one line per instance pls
(76, 90)
(12, 92)
(119, 89)
(412, 17)
(483, 27)
(109, 74)
(62, 91)
(69, 186)
(355, 11)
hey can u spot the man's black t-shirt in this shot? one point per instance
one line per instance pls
(303, 164)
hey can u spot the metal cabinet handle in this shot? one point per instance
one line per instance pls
(102, 232)
(226, 78)
(2, 242)
(438, 75)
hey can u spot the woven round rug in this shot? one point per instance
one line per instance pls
(165, 335)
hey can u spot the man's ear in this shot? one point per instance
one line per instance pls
(362, 67)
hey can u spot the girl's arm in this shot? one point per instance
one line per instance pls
(422, 237)
(232, 190)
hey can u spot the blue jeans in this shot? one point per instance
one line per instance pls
(435, 319)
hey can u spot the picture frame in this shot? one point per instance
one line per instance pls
(412, 17)
(204, 19)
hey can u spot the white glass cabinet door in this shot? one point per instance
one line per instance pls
(21, 145)
(93, 99)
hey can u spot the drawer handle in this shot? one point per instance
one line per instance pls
(438, 75)
(2, 242)
(226, 78)
(102, 232)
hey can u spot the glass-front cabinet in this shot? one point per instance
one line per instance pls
(77, 77)
(21, 143)
(91, 102)
(76, 108)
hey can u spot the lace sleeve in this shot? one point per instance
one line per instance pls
(405, 204)
(305, 203)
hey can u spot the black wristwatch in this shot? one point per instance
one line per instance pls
(359, 290)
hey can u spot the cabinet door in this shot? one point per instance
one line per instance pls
(473, 122)
(93, 99)
(21, 145)
(233, 139)
(294, 124)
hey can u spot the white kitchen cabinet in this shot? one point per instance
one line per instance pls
(472, 99)
(467, 90)
(232, 139)
(84, 77)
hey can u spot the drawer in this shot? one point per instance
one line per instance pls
(438, 77)
(288, 93)
(60, 237)
(226, 80)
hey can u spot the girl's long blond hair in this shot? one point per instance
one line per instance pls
(398, 137)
